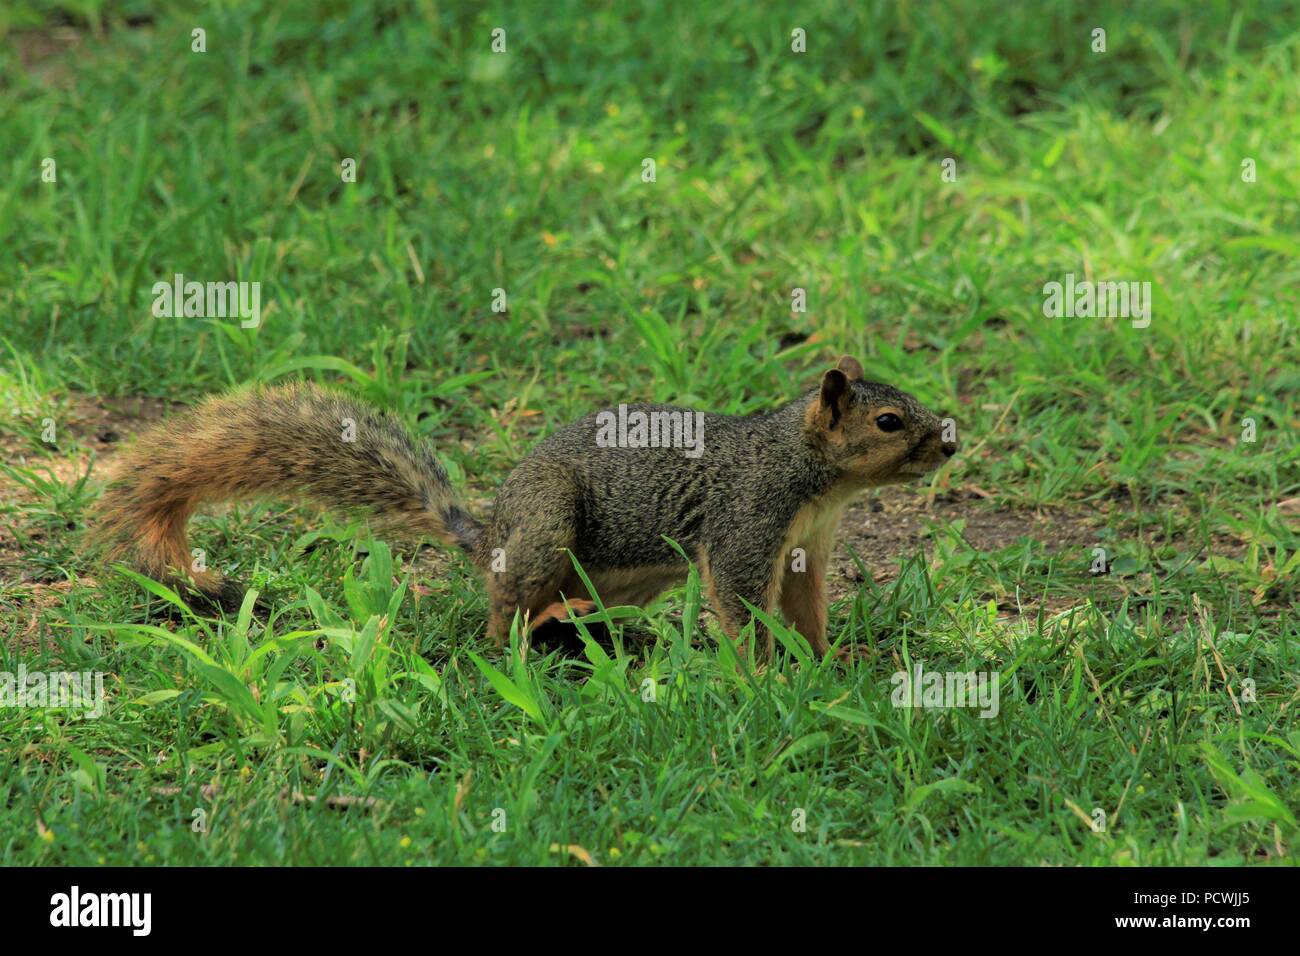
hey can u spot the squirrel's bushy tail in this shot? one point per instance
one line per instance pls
(293, 441)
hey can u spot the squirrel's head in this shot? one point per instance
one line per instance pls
(874, 434)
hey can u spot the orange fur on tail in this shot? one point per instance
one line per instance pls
(292, 441)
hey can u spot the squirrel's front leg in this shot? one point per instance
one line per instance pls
(803, 588)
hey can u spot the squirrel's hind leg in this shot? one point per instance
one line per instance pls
(215, 592)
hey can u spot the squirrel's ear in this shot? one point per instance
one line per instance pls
(835, 394)
(851, 367)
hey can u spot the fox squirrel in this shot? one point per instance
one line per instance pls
(751, 491)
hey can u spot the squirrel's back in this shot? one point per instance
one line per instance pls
(638, 472)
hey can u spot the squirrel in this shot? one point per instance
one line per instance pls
(751, 490)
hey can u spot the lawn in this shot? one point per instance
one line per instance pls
(1118, 539)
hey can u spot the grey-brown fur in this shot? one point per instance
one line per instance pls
(761, 484)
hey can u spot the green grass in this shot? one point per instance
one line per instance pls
(522, 171)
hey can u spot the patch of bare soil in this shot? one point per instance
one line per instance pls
(47, 55)
(895, 524)
(103, 422)
(96, 424)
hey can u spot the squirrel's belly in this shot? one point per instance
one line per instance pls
(637, 586)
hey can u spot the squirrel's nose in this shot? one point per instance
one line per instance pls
(949, 448)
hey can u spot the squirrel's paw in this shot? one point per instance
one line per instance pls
(853, 652)
(558, 611)
(227, 597)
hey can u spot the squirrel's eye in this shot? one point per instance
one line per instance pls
(889, 423)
